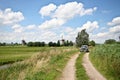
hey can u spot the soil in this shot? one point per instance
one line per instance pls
(69, 70)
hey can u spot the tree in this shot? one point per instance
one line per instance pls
(82, 38)
(92, 43)
(30, 44)
(110, 41)
(71, 43)
(43, 44)
(50, 44)
(58, 43)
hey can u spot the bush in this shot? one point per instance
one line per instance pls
(36, 44)
(110, 41)
(92, 43)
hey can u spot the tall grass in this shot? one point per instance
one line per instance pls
(47, 65)
(106, 58)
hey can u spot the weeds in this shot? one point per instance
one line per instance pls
(80, 71)
(106, 59)
(45, 65)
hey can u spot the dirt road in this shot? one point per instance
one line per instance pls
(69, 71)
(91, 71)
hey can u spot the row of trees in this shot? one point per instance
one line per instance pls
(111, 41)
(36, 44)
(58, 44)
(2, 44)
(50, 44)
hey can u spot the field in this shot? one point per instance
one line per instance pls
(106, 58)
(10, 54)
(41, 63)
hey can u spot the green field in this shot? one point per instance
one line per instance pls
(106, 58)
(45, 63)
(10, 54)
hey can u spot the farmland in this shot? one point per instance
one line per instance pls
(10, 54)
(106, 58)
(38, 61)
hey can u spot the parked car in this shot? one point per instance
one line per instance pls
(84, 48)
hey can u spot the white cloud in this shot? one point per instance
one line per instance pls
(115, 29)
(115, 21)
(71, 9)
(89, 26)
(8, 17)
(61, 14)
(46, 10)
(52, 23)
(18, 28)
(88, 11)
(31, 27)
(68, 10)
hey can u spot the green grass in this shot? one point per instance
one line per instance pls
(106, 58)
(10, 54)
(46, 65)
(80, 71)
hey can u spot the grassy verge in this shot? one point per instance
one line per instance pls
(47, 65)
(106, 58)
(80, 71)
(10, 54)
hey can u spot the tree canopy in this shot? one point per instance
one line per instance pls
(82, 38)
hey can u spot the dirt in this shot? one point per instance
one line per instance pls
(90, 69)
(69, 70)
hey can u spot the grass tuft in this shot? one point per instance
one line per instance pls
(80, 71)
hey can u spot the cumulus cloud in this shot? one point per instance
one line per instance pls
(61, 14)
(18, 28)
(51, 23)
(89, 26)
(115, 21)
(8, 17)
(46, 10)
(115, 29)
(31, 27)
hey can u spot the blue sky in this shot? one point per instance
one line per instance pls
(48, 20)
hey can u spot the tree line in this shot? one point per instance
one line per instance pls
(50, 44)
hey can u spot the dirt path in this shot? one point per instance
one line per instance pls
(91, 71)
(69, 70)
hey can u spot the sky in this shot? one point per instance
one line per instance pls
(49, 20)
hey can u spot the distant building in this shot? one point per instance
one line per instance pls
(62, 41)
(23, 42)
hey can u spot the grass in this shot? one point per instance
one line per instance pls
(10, 54)
(80, 71)
(46, 65)
(106, 58)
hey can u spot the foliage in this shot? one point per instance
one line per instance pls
(106, 59)
(110, 41)
(36, 44)
(2, 44)
(45, 65)
(82, 38)
(54, 44)
(92, 43)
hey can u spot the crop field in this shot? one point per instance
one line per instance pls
(106, 58)
(41, 63)
(10, 54)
